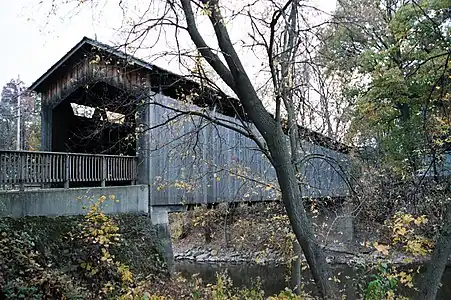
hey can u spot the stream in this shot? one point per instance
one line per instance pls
(273, 277)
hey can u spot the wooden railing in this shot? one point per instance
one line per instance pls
(19, 168)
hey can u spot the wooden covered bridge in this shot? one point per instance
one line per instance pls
(115, 124)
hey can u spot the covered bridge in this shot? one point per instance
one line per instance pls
(111, 119)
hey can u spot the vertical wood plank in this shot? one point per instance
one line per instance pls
(80, 169)
(61, 168)
(90, 160)
(22, 171)
(54, 168)
(95, 169)
(26, 164)
(67, 171)
(104, 171)
(83, 168)
(44, 167)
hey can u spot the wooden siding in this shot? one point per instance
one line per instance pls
(194, 161)
(88, 71)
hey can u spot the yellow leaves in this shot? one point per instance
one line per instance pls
(99, 233)
(280, 218)
(126, 275)
(403, 232)
(408, 260)
(96, 60)
(390, 295)
(420, 220)
(86, 266)
(183, 185)
(419, 246)
(160, 187)
(405, 279)
(381, 248)
(288, 294)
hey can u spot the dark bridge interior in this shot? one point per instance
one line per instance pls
(98, 119)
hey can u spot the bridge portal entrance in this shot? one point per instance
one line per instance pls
(96, 119)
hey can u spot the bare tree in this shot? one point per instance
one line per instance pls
(284, 39)
(271, 128)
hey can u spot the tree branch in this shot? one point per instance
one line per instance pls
(203, 48)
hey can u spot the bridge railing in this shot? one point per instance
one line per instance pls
(20, 168)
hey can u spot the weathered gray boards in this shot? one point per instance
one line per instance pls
(25, 168)
(97, 100)
(191, 160)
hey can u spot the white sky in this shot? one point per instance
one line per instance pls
(30, 47)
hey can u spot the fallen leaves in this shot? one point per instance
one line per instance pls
(381, 248)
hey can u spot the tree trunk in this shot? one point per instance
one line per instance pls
(301, 224)
(430, 280)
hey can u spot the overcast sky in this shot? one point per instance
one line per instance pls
(30, 46)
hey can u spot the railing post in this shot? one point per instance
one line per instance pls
(21, 172)
(67, 172)
(104, 171)
(134, 172)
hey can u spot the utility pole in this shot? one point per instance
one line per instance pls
(18, 114)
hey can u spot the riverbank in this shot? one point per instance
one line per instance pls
(261, 234)
(333, 256)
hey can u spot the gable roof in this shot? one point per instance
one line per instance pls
(306, 133)
(85, 41)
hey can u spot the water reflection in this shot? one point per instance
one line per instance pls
(273, 277)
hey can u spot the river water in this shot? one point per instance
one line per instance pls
(272, 278)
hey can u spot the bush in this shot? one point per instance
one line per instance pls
(22, 276)
(78, 257)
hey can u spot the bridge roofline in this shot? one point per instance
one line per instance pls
(85, 41)
(306, 133)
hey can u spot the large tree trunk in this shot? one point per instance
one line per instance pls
(301, 224)
(430, 280)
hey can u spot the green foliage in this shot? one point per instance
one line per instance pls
(76, 257)
(382, 286)
(99, 273)
(397, 58)
(23, 274)
(386, 280)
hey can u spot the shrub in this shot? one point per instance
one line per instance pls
(22, 276)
